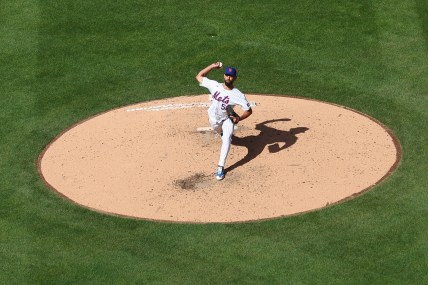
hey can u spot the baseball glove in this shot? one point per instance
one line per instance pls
(232, 114)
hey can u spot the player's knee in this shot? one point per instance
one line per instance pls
(226, 138)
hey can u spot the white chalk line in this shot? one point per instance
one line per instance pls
(210, 129)
(177, 106)
(170, 107)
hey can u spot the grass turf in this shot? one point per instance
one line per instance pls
(65, 61)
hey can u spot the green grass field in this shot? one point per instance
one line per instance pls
(64, 61)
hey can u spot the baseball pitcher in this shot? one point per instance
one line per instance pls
(221, 115)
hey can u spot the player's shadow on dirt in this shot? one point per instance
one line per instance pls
(268, 136)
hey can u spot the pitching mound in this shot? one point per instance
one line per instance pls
(156, 160)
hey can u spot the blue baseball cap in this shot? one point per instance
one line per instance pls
(230, 71)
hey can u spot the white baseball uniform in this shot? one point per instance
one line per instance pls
(217, 114)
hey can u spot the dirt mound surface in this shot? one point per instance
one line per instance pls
(156, 160)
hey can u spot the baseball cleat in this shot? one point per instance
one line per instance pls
(220, 173)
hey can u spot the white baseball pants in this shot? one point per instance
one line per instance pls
(226, 127)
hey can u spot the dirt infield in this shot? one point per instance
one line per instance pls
(150, 161)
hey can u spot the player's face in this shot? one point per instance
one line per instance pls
(228, 80)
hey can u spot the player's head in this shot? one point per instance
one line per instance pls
(231, 71)
(230, 76)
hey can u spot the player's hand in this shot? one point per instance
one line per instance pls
(235, 119)
(232, 114)
(218, 65)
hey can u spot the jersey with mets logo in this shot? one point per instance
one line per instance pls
(222, 97)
